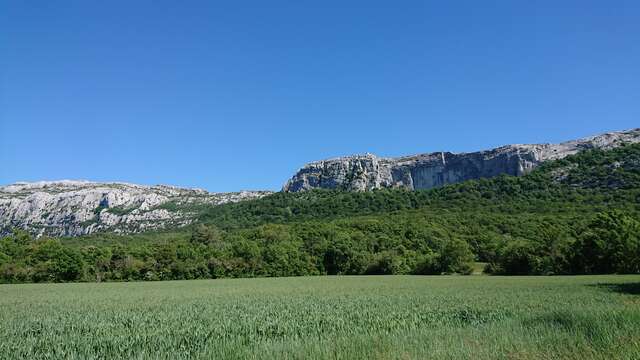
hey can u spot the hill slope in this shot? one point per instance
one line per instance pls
(67, 208)
(72, 208)
(593, 178)
(425, 171)
(577, 215)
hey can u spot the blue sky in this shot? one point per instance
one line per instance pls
(230, 95)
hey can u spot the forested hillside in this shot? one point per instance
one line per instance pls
(578, 215)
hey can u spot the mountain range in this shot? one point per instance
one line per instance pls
(72, 208)
(425, 171)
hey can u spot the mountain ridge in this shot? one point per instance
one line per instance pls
(424, 171)
(78, 207)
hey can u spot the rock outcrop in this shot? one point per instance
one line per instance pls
(425, 171)
(70, 208)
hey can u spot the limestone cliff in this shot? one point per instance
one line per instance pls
(425, 171)
(69, 208)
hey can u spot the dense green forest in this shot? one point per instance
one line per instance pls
(578, 215)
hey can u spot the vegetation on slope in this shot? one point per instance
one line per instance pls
(578, 215)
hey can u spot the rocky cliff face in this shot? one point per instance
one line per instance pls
(69, 208)
(425, 171)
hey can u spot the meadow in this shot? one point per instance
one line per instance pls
(344, 317)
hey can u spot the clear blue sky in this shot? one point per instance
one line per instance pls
(230, 95)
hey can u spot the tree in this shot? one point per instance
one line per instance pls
(386, 263)
(100, 259)
(206, 234)
(518, 257)
(53, 262)
(456, 257)
(611, 243)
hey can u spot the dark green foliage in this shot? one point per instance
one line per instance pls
(455, 257)
(578, 215)
(50, 261)
(518, 257)
(203, 234)
(120, 210)
(47, 260)
(99, 209)
(611, 243)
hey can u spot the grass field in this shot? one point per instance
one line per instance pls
(394, 317)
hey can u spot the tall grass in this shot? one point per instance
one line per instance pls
(395, 317)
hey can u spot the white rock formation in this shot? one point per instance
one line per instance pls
(70, 208)
(425, 171)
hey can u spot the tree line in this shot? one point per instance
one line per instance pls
(397, 244)
(578, 215)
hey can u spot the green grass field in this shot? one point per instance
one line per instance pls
(381, 317)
